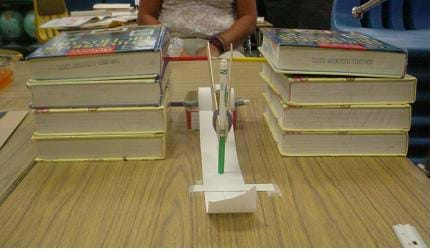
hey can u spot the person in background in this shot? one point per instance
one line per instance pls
(222, 22)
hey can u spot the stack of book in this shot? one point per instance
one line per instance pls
(101, 95)
(334, 93)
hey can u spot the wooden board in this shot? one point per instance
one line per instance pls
(325, 202)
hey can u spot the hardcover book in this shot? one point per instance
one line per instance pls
(135, 50)
(100, 147)
(336, 143)
(338, 117)
(143, 90)
(103, 120)
(327, 52)
(338, 90)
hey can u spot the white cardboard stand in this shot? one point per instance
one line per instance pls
(224, 193)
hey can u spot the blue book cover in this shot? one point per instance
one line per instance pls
(327, 39)
(107, 41)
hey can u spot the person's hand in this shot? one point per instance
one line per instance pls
(203, 51)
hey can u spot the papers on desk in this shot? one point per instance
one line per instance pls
(70, 22)
(110, 22)
(91, 20)
(102, 16)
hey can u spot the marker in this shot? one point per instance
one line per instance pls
(222, 113)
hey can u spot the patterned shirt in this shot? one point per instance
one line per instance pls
(197, 18)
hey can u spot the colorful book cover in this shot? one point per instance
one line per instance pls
(105, 41)
(327, 39)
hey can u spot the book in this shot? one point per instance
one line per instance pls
(100, 13)
(300, 51)
(336, 143)
(103, 120)
(132, 50)
(144, 90)
(70, 22)
(100, 147)
(9, 121)
(338, 117)
(104, 24)
(113, 6)
(109, 20)
(337, 90)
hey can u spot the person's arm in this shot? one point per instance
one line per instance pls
(149, 12)
(244, 25)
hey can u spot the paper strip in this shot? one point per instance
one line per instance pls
(221, 202)
(408, 236)
(234, 188)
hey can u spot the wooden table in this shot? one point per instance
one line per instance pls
(325, 201)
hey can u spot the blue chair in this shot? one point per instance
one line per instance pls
(404, 24)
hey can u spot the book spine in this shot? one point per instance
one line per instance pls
(162, 38)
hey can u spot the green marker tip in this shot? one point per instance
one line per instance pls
(221, 154)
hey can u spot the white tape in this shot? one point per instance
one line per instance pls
(408, 236)
(234, 188)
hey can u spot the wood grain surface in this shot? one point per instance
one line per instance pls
(17, 155)
(324, 202)
(16, 96)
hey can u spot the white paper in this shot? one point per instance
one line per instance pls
(409, 236)
(221, 202)
(234, 188)
(68, 22)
